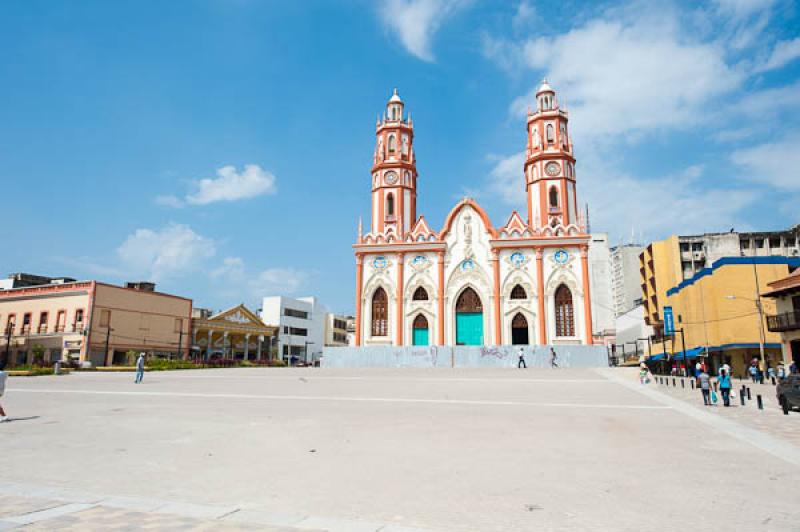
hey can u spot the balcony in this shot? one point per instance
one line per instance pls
(788, 321)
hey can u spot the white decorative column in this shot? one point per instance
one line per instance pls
(224, 343)
(260, 340)
(209, 345)
(247, 346)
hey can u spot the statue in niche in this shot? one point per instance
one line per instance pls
(537, 140)
(468, 253)
(380, 148)
(405, 144)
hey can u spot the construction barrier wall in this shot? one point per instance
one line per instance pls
(504, 356)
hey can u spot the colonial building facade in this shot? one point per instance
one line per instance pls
(472, 283)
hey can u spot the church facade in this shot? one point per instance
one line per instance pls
(471, 282)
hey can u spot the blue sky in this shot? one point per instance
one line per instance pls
(222, 147)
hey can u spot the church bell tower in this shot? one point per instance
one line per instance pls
(550, 164)
(394, 172)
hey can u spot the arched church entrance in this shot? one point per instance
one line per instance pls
(469, 318)
(420, 331)
(519, 330)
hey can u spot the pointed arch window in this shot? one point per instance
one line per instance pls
(518, 292)
(380, 313)
(553, 197)
(420, 322)
(392, 144)
(469, 301)
(550, 133)
(420, 294)
(390, 205)
(565, 317)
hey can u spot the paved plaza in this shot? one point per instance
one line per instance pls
(390, 450)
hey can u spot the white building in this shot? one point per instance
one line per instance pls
(625, 277)
(336, 330)
(632, 334)
(301, 326)
(602, 298)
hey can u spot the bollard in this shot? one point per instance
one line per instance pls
(785, 406)
(773, 381)
(673, 382)
(683, 383)
(741, 396)
(760, 402)
(57, 368)
(692, 383)
(748, 395)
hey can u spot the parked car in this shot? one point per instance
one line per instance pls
(788, 392)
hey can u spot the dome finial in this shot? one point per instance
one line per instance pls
(395, 97)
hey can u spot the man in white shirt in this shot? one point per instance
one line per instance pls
(3, 378)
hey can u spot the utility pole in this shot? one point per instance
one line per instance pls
(180, 343)
(760, 319)
(108, 338)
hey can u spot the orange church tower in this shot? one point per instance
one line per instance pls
(550, 164)
(394, 172)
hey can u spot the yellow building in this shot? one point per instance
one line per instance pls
(721, 311)
(786, 321)
(660, 269)
(236, 334)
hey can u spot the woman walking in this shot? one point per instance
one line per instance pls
(725, 387)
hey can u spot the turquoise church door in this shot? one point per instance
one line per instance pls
(469, 328)
(469, 318)
(420, 331)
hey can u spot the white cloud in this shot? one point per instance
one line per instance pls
(739, 9)
(524, 15)
(236, 281)
(170, 201)
(783, 53)
(772, 163)
(166, 252)
(630, 75)
(415, 22)
(653, 208)
(230, 185)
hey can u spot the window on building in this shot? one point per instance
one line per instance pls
(550, 133)
(43, 322)
(518, 292)
(553, 197)
(298, 331)
(420, 294)
(392, 144)
(684, 246)
(79, 316)
(105, 318)
(26, 322)
(565, 318)
(759, 243)
(744, 244)
(61, 320)
(380, 313)
(697, 246)
(390, 205)
(11, 322)
(775, 242)
(295, 313)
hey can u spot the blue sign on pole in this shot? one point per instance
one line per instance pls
(669, 322)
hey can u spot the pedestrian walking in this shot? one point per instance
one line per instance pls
(521, 364)
(140, 368)
(781, 371)
(793, 367)
(725, 387)
(698, 369)
(754, 373)
(553, 358)
(644, 374)
(3, 378)
(705, 387)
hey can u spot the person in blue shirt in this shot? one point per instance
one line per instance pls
(725, 387)
(140, 368)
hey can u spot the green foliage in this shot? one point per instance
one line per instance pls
(130, 358)
(38, 354)
(163, 364)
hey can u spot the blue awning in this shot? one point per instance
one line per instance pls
(690, 353)
(657, 357)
